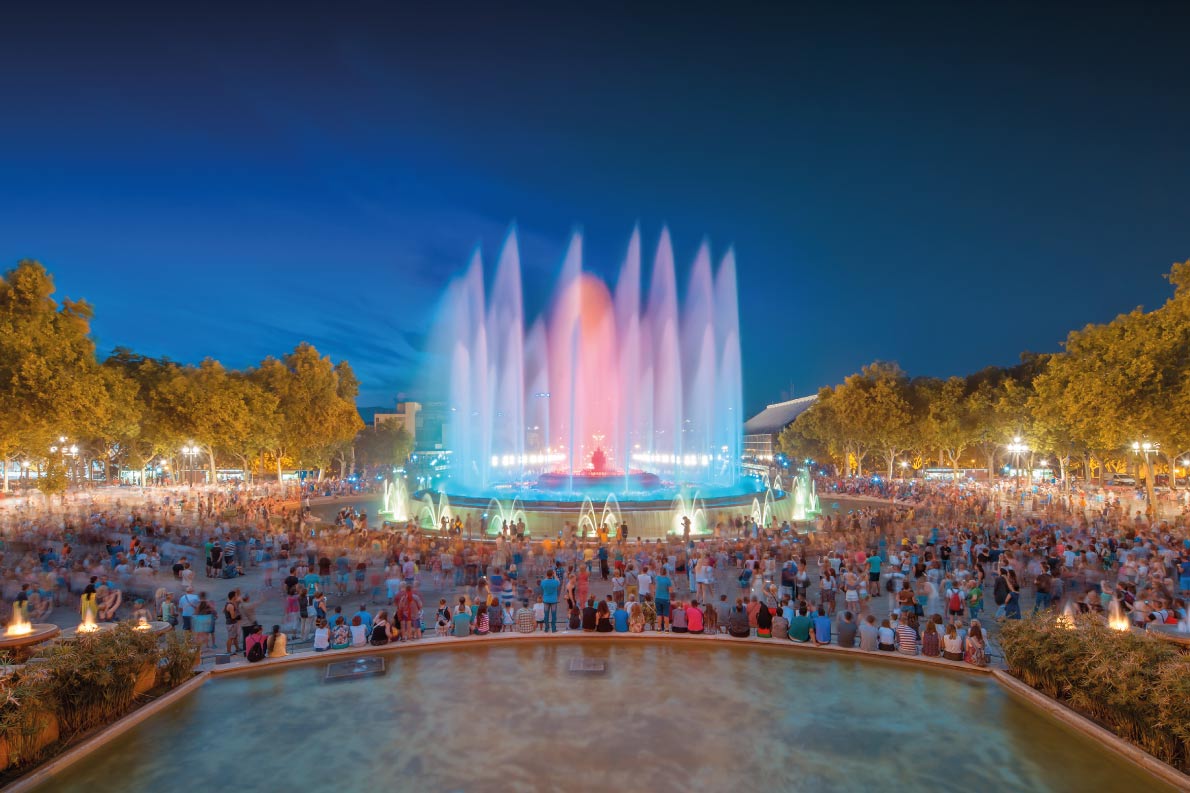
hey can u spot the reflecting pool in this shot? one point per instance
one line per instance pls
(664, 716)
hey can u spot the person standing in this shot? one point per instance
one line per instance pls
(231, 617)
(663, 585)
(549, 596)
(409, 606)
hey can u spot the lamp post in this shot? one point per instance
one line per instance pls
(904, 469)
(69, 454)
(189, 451)
(1016, 449)
(1146, 448)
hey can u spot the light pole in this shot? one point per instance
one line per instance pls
(1145, 448)
(70, 451)
(904, 469)
(1017, 448)
(189, 451)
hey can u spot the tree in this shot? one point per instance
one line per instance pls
(952, 422)
(315, 406)
(384, 446)
(49, 380)
(205, 404)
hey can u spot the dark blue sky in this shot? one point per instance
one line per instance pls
(943, 186)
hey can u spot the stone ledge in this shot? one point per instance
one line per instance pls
(1078, 721)
(240, 666)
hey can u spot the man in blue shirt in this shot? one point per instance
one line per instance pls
(365, 618)
(822, 627)
(621, 619)
(549, 596)
(661, 585)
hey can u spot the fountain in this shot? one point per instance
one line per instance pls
(606, 392)
(20, 636)
(395, 506)
(805, 497)
(1117, 620)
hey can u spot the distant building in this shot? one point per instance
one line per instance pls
(406, 416)
(761, 431)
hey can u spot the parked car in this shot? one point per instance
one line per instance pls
(1123, 480)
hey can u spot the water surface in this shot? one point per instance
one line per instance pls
(662, 718)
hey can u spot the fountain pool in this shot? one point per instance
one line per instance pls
(664, 716)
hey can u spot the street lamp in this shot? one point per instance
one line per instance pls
(190, 450)
(1145, 448)
(1016, 449)
(904, 466)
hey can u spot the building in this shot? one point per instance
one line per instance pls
(761, 431)
(405, 416)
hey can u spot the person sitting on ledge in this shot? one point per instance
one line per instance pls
(620, 618)
(846, 629)
(340, 635)
(461, 621)
(737, 621)
(380, 630)
(636, 620)
(780, 625)
(677, 617)
(822, 627)
(764, 619)
(359, 632)
(589, 616)
(800, 626)
(952, 644)
(526, 621)
(276, 645)
(694, 618)
(886, 637)
(603, 619)
(255, 645)
(869, 634)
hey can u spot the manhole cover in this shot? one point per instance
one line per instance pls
(588, 666)
(350, 670)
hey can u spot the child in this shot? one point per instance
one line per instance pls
(576, 617)
(539, 613)
(443, 618)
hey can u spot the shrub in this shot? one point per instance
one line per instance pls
(1135, 684)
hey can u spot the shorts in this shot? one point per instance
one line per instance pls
(186, 624)
(359, 576)
(873, 577)
(342, 578)
(662, 608)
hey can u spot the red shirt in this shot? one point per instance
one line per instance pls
(693, 619)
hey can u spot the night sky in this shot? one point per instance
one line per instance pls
(942, 186)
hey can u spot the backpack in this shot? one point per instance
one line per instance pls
(956, 603)
(256, 652)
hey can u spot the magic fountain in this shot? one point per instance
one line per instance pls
(611, 405)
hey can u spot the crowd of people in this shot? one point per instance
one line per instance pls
(924, 575)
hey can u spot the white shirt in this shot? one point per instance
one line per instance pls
(645, 581)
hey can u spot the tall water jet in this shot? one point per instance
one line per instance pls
(606, 390)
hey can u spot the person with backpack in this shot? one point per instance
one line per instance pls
(954, 601)
(255, 645)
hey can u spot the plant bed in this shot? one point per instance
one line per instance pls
(75, 690)
(1135, 685)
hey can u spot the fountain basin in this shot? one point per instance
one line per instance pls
(74, 633)
(844, 743)
(19, 643)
